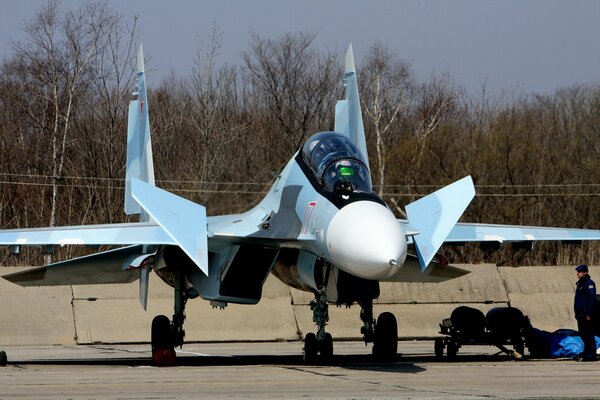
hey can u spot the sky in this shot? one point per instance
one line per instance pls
(530, 46)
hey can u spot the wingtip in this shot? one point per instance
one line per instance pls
(349, 60)
(140, 59)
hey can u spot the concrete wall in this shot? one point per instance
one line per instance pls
(112, 313)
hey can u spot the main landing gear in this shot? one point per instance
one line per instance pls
(383, 333)
(166, 335)
(3, 359)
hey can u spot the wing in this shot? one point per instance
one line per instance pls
(113, 266)
(495, 233)
(93, 235)
(472, 232)
(180, 222)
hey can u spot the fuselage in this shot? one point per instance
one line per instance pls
(349, 227)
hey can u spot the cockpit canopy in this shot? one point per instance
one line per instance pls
(337, 163)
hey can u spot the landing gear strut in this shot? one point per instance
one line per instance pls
(166, 335)
(322, 343)
(366, 316)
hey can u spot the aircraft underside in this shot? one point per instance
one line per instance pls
(297, 269)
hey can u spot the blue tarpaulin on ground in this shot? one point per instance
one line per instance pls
(567, 343)
(560, 343)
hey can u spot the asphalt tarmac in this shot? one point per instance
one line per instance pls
(276, 371)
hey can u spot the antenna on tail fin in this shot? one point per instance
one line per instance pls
(139, 145)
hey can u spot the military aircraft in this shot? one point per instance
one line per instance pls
(320, 228)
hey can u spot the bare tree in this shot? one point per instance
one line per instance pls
(296, 84)
(57, 56)
(214, 103)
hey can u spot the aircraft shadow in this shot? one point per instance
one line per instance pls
(402, 364)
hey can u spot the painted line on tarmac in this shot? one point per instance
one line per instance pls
(202, 354)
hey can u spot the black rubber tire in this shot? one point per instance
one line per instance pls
(311, 347)
(385, 343)
(326, 347)
(438, 347)
(3, 359)
(452, 349)
(161, 336)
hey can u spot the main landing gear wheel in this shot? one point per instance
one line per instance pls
(163, 350)
(385, 342)
(167, 335)
(3, 359)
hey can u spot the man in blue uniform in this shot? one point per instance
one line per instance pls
(585, 302)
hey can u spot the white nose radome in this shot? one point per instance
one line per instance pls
(365, 239)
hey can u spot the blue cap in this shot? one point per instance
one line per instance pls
(581, 268)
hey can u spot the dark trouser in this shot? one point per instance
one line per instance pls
(586, 331)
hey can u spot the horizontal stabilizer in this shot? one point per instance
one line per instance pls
(183, 220)
(101, 268)
(436, 272)
(435, 215)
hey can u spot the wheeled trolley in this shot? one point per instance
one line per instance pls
(500, 327)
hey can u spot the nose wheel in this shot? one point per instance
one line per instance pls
(315, 349)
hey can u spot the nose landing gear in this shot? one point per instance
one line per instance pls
(321, 343)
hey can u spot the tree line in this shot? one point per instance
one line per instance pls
(221, 134)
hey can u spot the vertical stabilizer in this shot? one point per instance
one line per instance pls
(139, 146)
(348, 114)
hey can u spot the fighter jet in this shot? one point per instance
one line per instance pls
(320, 228)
